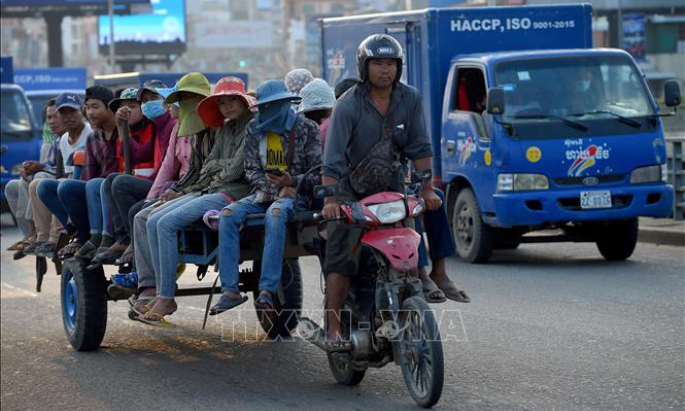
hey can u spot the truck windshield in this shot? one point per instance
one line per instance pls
(16, 120)
(581, 95)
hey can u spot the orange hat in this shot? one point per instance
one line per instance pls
(227, 86)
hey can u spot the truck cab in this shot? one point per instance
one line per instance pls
(572, 141)
(20, 138)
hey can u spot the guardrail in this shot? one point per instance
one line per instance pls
(676, 173)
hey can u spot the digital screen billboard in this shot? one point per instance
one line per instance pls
(161, 32)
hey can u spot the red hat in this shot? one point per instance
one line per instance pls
(227, 86)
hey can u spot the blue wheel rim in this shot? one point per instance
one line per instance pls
(70, 303)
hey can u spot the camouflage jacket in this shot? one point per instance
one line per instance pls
(306, 155)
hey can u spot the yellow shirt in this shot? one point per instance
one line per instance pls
(274, 151)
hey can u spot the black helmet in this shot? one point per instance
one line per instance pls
(379, 46)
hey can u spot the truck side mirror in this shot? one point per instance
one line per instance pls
(672, 93)
(495, 101)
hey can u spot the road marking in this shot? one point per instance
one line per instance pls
(21, 290)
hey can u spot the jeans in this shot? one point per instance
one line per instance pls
(162, 233)
(18, 203)
(123, 191)
(98, 210)
(439, 234)
(278, 214)
(71, 197)
(142, 257)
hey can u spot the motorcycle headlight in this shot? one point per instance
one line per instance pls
(649, 174)
(522, 182)
(388, 213)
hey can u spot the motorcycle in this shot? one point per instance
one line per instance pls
(385, 316)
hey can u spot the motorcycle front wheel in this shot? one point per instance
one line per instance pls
(423, 365)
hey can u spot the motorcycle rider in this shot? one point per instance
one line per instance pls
(379, 107)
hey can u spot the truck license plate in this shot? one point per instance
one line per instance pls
(595, 199)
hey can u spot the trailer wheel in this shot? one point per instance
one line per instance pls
(617, 241)
(288, 311)
(84, 305)
(474, 238)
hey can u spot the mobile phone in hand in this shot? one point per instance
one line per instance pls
(274, 170)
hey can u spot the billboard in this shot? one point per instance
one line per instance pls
(51, 78)
(161, 32)
(634, 41)
(33, 8)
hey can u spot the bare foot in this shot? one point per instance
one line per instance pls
(162, 307)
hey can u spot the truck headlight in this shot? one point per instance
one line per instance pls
(649, 174)
(522, 182)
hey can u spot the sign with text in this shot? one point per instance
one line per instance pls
(51, 78)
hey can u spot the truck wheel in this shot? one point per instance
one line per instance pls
(288, 312)
(84, 305)
(617, 241)
(473, 237)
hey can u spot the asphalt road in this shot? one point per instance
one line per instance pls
(551, 327)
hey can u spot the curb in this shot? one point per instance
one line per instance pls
(661, 237)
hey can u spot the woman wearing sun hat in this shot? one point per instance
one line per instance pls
(280, 147)
(221, 181)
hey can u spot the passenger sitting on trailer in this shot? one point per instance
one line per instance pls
(188, 93)
(109, 237)
(125, 190)
(281, 146)
(66, 199)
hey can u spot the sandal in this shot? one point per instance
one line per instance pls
(70, 249)
(452, 292)
(143, 305)
(265, 301)
(431, 293)
(156, 320)
(226, 303)
(339, 345)
(126, 257)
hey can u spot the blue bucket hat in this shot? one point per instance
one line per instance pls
(273, 90)
(165, 92)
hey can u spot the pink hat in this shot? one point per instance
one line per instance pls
(227, 86)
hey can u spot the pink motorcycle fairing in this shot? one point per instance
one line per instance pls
(399, 245)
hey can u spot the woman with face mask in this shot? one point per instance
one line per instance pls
(127, 190)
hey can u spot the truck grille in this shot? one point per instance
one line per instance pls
(617, 202)
(578, 181)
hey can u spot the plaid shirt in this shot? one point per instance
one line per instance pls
(306, 155)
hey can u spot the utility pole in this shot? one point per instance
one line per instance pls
(112, 54)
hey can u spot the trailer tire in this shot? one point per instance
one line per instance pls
(288, 311)
(84, 305)
(617, 241)
(473, 237)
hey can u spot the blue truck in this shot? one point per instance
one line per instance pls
(531, 128)
(20, 138)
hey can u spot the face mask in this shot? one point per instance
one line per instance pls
(189, 122)
(153, 109)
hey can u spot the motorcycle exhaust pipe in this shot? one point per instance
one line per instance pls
(312, 332)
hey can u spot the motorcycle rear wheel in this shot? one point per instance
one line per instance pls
(423, 365)
(343, 372)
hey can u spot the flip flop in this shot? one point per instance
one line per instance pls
(156, 320)
(265, 301)
(143, 305)
(452, 292)
(333, 346)
(431, 292)
(226, 303)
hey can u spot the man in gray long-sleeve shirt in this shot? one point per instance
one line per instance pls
(380, 102)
